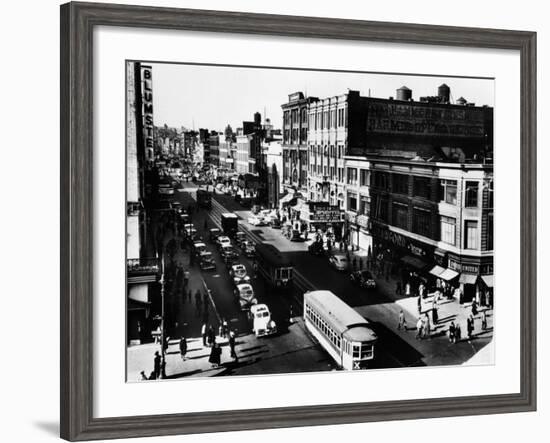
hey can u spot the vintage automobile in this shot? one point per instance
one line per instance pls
(206, 261)
(363, 279)
(262, 323)
(256, 220)
(239, 238)
(238, 274)
(229, 254)
(190, 232)
(339, 262)
(223, 240)
(316, 248)
(244, 293)
(198, 248)
(248, 248)
(213, 234)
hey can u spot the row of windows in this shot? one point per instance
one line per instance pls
(328, 119)
(329, 333)
(421, 187)
(293, 115)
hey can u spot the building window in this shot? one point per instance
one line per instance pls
(447, 189)
(304, 115)
(294, 116)
(490, 231)
(421, 222)
(399, 215)
(380, 180)
(286, 117)
(364, 205)
(421, 187)
(470, 237)
(352, 176)
(352, 201)
(448, 230)
(400, 184)
(471, 194)
(364, 177)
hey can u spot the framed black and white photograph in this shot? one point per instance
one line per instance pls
(273, 221)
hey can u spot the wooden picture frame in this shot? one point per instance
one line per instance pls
(77, 23)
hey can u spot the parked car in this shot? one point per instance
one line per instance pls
(248, 248)
(238, 274)
(206, 261)
(275, 223)
(363, 278)
(262, 323)
(256, 220)
(339, 262)
(244, 293)
(239, 238)
(222, 241)
(190, 232)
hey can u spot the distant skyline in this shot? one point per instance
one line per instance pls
(214, 96)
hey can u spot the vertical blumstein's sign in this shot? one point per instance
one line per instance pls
(147, 111)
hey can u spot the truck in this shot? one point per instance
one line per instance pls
(204, 198)
(229, 223)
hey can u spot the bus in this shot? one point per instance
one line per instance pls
(276, 269)
(341, 331)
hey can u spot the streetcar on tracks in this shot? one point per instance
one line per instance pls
(341, 331)
(276, 269)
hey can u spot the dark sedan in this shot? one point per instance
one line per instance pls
(363, 279)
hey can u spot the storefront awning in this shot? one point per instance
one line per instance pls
(488, 280)
(437, 270)
(448, 274)
(413, 261)
(468, 279)
(287, 199)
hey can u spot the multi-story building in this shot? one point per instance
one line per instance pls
(142, 266)
(420, 190)
(273, 152)
(335, 125)
(295, 135)
(214, 144)
(204, 140)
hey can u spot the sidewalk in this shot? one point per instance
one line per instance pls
(183, 317)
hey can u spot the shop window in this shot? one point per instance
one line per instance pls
(421, 222)
(448, 230)
(447, 191)
(471, 235)
(471, 194)
(399, 215)
(400, 184)
(421, 187)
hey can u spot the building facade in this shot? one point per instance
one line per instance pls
(214, 145)
(143, 268)
(334, 125)
(295, 136)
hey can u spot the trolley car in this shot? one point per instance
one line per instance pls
(342, 332)
(276, 269)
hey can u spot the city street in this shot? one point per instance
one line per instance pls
(293, 349)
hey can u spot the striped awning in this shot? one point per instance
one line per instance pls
(448, 274)
(468, 279)
(437, 270)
